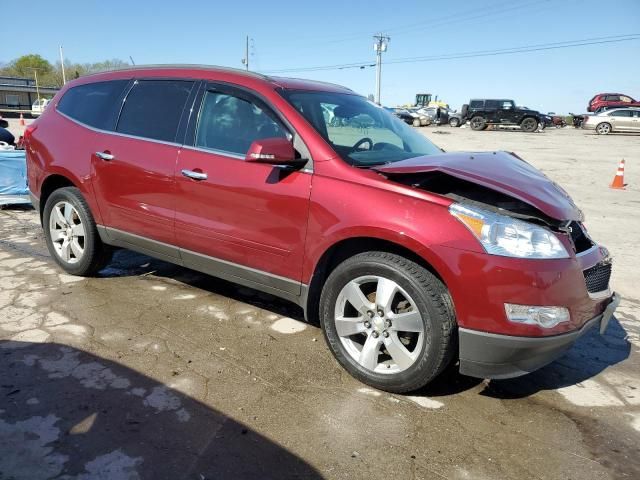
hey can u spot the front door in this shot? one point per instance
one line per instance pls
(240, 220)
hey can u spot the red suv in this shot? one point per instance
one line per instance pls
(407, 256)
(611, 100)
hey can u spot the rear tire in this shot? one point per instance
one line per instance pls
(478, 123)
(529, 125)
(603, 128)
(71, 233)
(388, 321)
(454, 122)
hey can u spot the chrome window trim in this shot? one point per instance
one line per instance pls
(223, 153)
(118, 134)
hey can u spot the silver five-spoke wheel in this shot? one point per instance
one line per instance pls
(379, 324)
(67, 232)
(603, 128)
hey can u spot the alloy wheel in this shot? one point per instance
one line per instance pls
(604, 128)
(67, 232)
(379, 324)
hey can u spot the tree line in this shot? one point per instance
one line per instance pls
(50, 75)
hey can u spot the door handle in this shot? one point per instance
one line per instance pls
(105, 156)
(194, 175)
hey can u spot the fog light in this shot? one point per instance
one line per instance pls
(545, 317)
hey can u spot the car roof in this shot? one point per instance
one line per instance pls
(196, 71)
(609, 110)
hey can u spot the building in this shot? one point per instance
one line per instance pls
(18, 94)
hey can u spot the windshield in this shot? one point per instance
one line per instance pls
(361, 132)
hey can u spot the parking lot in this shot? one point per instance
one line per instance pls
(155, 371)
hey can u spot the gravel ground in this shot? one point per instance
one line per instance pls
(154, 371)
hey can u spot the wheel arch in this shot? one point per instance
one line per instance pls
(346, 248)
(50, 184)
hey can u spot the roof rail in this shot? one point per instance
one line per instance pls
(186, 67)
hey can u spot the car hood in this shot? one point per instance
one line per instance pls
(502, 172)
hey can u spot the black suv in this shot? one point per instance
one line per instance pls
(484, 112)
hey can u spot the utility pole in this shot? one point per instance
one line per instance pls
(245, 60)
(35, 74)
(64, 77)
(379, 46)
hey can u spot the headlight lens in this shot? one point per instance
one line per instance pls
(507, 236)
(545, 317)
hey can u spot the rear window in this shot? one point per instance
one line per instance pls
(153, 109)
(94, 104)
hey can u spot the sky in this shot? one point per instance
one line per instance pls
(291, 34)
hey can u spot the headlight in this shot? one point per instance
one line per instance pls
(507, 236)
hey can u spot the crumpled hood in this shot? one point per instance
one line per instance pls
(500, 171)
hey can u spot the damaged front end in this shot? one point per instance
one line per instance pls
(495, 184)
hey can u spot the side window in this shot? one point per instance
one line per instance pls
(625, 99)
(491, 104)
(94, 104)
(231, 124)
(613, 98)
(476, 104)
(621, 113)
(153, 109)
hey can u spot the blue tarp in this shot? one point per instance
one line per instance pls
(13, 172)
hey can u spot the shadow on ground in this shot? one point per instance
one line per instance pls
(128, 263)
(592, 354)
(68, 414)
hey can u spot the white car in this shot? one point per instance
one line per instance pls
(614, 120)
(38, 106)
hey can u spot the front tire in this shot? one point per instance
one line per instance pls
(388, 321)
(454, 122)
(71, 234)
(416, 122)
(529, 125)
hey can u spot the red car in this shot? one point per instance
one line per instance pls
(408, 257)
(610, 100)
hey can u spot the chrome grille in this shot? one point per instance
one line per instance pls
(597, 277)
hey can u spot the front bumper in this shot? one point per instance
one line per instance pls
(490, 355)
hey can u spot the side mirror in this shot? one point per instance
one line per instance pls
(274, 151)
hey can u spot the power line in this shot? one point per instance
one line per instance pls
(481, 53)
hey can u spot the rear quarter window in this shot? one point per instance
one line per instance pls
(94, 104)
(153, 109)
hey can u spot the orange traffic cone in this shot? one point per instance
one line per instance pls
(22, 124)
(618, 180)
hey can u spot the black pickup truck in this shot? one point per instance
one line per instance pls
(484, 112)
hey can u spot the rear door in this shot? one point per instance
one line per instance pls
(134, 167)
(241, 220)
(491, 108)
